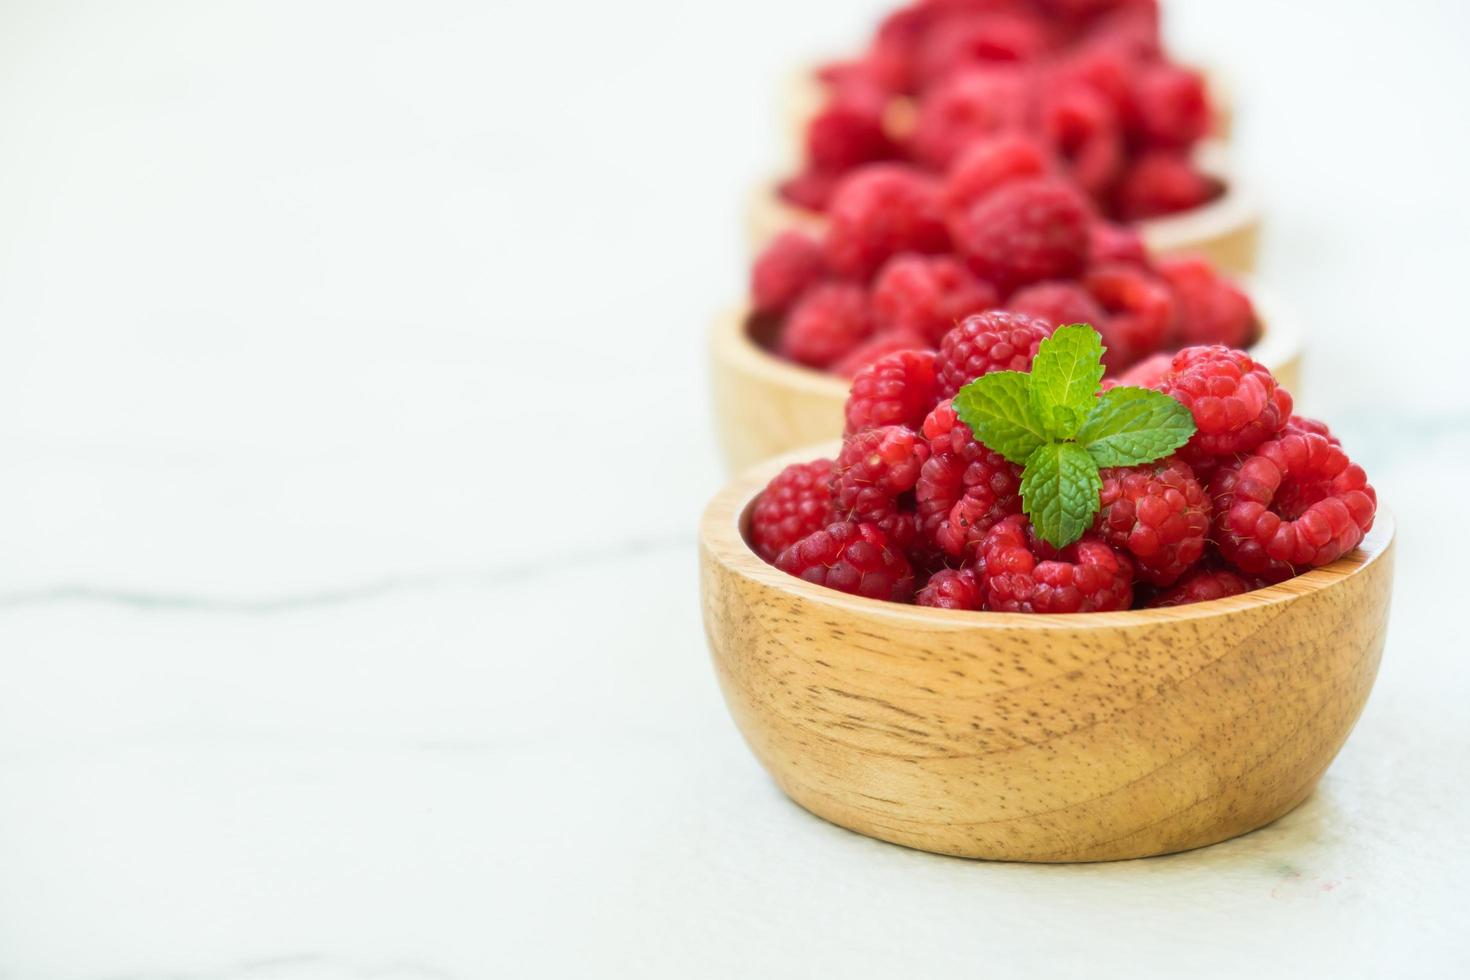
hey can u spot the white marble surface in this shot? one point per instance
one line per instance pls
(353, 428)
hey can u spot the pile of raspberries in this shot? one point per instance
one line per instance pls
(916, 510)
(905, 256)
(1087, 80)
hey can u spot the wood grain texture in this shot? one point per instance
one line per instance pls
(765, 406)
(1227, 231)
(1041, 738)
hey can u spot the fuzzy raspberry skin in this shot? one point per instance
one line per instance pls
(927, 295)
(877, 348)
(1059, 303)
(792, 506)
(964, 488)
(828, 323)
(874, 473)
(1157, 513)
(1204, 585)
(1019, 576)
(952, 588)
(1236, 403)
(895, 390)
(1025, 232)
(986, 342)
(991, 163)
(1212, 310)
(1162, 183)
(852, 558)
(969, 106)
(1298, 502)
(879, 211)
(1171, 106)
(788, 266)
(1141, 312)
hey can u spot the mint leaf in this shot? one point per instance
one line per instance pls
(999, 409)
(1065, 375)
(1129, 426)
(1060, 492)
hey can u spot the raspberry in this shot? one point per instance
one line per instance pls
(1159, 514)
(1140, 309)
(810, 190)
(1147, 373)
(994, 341)
(951, 588)
(848, 132)
(1025, 232)
(991, 163)
(829, 322)
(792, 506)
(964, 488)
(1203, 585)
(879, 211)
(787, 267)
(1236, 403)
(852, 558)
(1023, 575)
(1170, 106)
(965, 42)
(1083, 128)
(1058, 303)
(1300, 425)
(1162, 183)
(1211, 309)
(1112, 243)
(927, 295)
(876, 468)
(968, 106)
(877, 348)
(1299, 501)
(894, 390)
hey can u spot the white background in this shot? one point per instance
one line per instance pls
(353, 430)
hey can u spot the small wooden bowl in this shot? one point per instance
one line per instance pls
(1096, 737)
(765, 406)
(1226, 231)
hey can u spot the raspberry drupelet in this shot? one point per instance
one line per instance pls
(792, 506)
(1021, 574)
(1159, 514)
(1236, 403)
(896, 389)
(852, 558)
(986, 342)
(1297, 502)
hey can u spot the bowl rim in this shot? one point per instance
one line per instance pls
(1280, 342)
(722, 539)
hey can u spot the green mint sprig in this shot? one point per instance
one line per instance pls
(1052, 423)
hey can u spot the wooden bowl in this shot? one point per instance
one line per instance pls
(766, 406)
(1094, 737)
(1226, 231)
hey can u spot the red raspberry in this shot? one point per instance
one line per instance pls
(1159, 514)
(1298, 502)
(991, 163)
(1204, 585)
(1083, 128)
(964, 488)
(994, 341)
(879, 211)
(966, 42)
(1171, 106)
(1301, 425)
(1236, 403)
(792, 506)
(848, 132)
(1147, 373)
(894, 390)
(1162, 183)
(876, 468)
(1140, 309)
(785, 270)
(1211, 309)
(1025, 232)
(810, 190)
(927, 295)
(877, 348)
(969, 106)
(829, 323)
(1111, 244)
(852, 558)
(951, 588)
(1059, 303)
(1021, 574)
